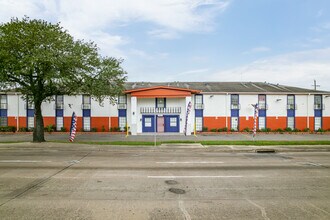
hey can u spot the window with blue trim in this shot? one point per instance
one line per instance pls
(3, 110)
(160, 103)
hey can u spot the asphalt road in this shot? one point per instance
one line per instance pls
(65, 181)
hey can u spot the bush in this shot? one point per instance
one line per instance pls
(214, 130)
(23, 129)
(205, 129)
(225, 129)
(63, 129)
(114, 129)
(247, 130)
(320, 130)
(288, 129)
(266, 130)
(233, 130)
(103, 128)
(8, 129)
(296, 130)
(50, 128)
(94, 130)
(279, 130)
(306, 130)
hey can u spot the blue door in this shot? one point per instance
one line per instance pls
(148, 123)
(172, 123)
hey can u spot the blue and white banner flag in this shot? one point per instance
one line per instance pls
(256, 109)
(186, 124)
(73, 128)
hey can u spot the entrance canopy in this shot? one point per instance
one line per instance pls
(161, 92)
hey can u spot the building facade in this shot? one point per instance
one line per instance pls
(163, 108)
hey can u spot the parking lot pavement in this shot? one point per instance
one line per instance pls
(164, 137)
(65, 181)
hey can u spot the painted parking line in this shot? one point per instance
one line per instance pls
(190, 162)
(25, 161)
(182, 177)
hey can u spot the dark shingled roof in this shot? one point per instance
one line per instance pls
(226, 87)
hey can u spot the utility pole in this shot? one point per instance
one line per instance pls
(315, 85)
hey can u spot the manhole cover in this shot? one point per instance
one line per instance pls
(177, 191)
(171, 182)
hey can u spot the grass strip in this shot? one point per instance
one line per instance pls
(243, 143)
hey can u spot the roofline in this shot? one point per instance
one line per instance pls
(162, 87)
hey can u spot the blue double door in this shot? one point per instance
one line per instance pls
(166, 123)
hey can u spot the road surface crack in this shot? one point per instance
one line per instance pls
(262, 209)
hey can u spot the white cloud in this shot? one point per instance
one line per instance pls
(257, 50)
(94, 20)
(298, 68)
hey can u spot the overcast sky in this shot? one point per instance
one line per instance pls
(278, 41)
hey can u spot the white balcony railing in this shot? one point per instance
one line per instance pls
(86, 106)
(59, 106)
(176, 110)
(122, 106)
(3, 106)
(199, 106)
(235, 106)
(291, 106)
(319, 107)
(263, 106)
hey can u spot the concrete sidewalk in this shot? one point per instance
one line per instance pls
(103, 137)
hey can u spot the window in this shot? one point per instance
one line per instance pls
(234, 123)
(122, 123)
(199, 102)
(3, 121)
(87, 123)
(147, 122)
(199, 123)
(59, 123)
(173, 122)
(3, 101)
(160, 102)
(318, 123)
(235, 102)
(318, 102)
(291, 102)
(291, 122)
(86, 102)
(122, 99)
(262, 101)
(59, 102)
(262, 123)
(30, 122)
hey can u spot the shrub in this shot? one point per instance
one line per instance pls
(320, 130)
(103, 128)
(246, 129)
(114, 129)
(296, 130)
(50, 128)
(225, 129)
(8, 129)
(63, 129)
(94, 130)
(279, 130)
(214, 130)
(306, 130)
(23, 129)
(288, 129)
(233, 130)
(205, 129)
(266, 130)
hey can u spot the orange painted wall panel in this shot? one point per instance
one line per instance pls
(214, 122)
(99, 122)
(311, 123)
(114, 122)
(49, 121)
(12, 121)
(22, 122)
(243, 123)
(275, 123)
(301, 123)
(326, 123)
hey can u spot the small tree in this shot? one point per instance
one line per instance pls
(40, 60)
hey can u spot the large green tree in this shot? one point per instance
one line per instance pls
(40, 60)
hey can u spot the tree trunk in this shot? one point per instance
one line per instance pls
(38, 132)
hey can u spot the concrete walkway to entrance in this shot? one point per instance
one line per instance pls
(102, 137)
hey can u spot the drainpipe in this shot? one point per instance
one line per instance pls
(226, 110)
(17, 121)
(308, 110)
